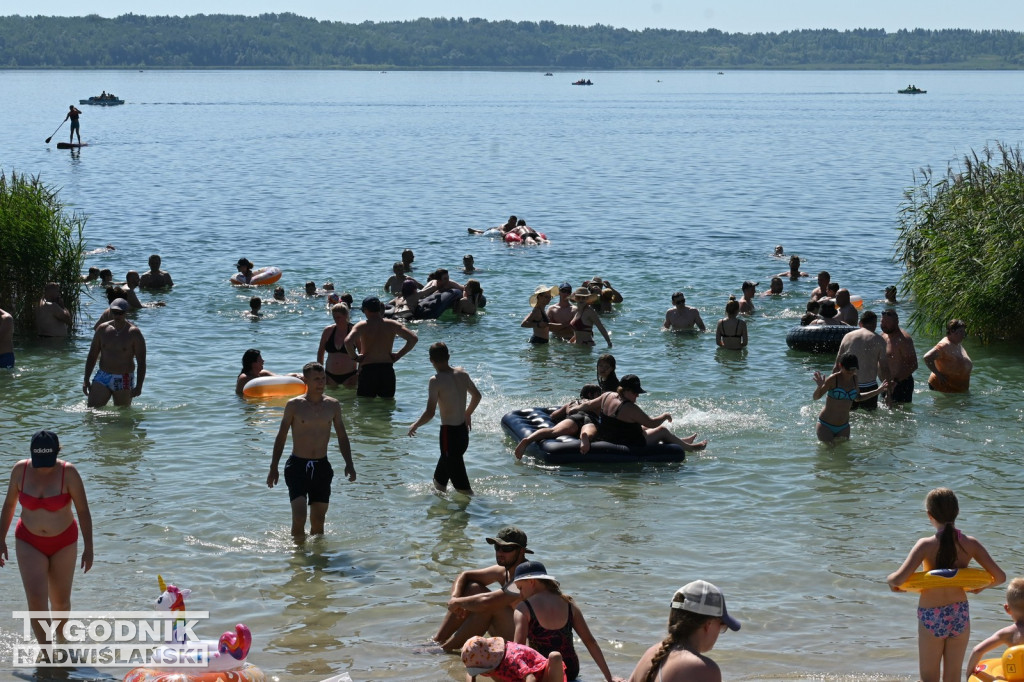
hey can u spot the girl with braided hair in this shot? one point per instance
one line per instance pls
(697, 618)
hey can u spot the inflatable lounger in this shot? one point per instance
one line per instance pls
(521, 423)
(429, 308)
(818, 338)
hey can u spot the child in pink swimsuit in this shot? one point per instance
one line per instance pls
(510, 662)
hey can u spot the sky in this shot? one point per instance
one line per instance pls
(733, 16)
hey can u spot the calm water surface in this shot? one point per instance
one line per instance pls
(657, 181)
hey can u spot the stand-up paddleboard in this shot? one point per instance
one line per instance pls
(71, 145)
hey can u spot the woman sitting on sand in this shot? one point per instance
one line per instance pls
(621, 421)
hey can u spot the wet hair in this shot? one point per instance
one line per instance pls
(398, 267)
(467, 257)
(347, 299)
(612, 382)
(154, 261)
(255, 303)
(310, 285)
(591, 391)
(249, 358)
(732, 307)
(681, 626)
(473, 288)
(824, 273)
(833, 286)
(942, 505)
(105, 273)
(438, 351)
(407, 252)
(678, 295)
(869, 320)
(279, 290)
(311, 367)
(1015, 593)
(849, 361)
(794, 262)
(955, 325)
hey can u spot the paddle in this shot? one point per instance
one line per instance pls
(55, 131)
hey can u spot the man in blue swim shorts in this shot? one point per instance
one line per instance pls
(370, 343)
(118, 345)
(307, 473)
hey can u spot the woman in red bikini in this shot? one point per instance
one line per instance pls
(47, 534)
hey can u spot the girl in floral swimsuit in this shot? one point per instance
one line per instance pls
(944, 624)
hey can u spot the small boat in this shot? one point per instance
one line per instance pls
(103, 100)
(583, 81)
(911, 90)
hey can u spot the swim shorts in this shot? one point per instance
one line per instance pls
(115, 382)
(904, 391)
(539, 339)
(869, 404)
(376, 380)
(6, 360)
(308, 477)
(945, 621)
(454, 440)
(581, 418)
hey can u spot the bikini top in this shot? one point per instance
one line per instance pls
(330, 346)
(842, 393)
(578, 325)
(52, 503)
(737, 335)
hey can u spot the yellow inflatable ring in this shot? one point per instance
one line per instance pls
(1009, 667)
(966, 578)
(274, 387)
(259, 277)
(246, 673)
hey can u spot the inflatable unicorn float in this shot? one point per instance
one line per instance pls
(221, 660)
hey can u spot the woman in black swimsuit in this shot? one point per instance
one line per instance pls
(732, 331)
(340, 367)
(537, 320)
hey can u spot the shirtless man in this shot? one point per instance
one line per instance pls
(794, 273)
(6, 340)
(682, 317)
(394, 284)
(155, 278)
(52, 318)
(899, 349)
(872, 360)
(560, 314)
(473, 608)
(307, 473)
(847, 311)
(448, 389)
(950, 365)
(823, 281)
(376, 336)
(118, 345)
(131, 281)
(747, 302)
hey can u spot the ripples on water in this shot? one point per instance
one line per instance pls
(686, 184)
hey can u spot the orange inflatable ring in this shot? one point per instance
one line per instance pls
(246, 673)
(274, 387)
(260, 277)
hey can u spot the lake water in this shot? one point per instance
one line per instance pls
(657, 181)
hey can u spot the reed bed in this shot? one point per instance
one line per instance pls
(40, 242)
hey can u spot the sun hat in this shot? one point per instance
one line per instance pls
(45, 445)
(586, 294)
(705, 599)
(543, 289)
(119, 304)
(371, 304)
(631, 382)
(510, 535)
(482, 654)
(532, 570)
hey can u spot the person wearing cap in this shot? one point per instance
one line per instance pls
(621, 421)
(118, 346)
(747, 302)
(560, 314)
(451, 388)
(155, 278)
(586, 318)
(546, 618)
(244, 275)
(370, 343)
(6, 340)
(682, 317)
(508, 661)
(52, 318)
(46, 536)
(537, 320)
(872, 361)
(841, 389)
(902, 357)
(696, 619)
(474, 608)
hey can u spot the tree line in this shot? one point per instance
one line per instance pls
(290, 41)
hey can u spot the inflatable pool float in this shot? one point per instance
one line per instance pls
(564, 450)
(221, 660)
(513, 238)
(966, 578)
(430, 307)
(274, 387)
(817, 338)
(260, 277)
(1009, 667)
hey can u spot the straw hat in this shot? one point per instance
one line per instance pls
(543, 289)
(586, 294)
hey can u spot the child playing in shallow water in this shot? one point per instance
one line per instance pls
(510, 662)
(1011, 635)
(944, 622)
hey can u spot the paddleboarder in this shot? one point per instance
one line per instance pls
(73, 114)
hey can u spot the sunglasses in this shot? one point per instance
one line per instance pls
(115, 311)
(506, 549)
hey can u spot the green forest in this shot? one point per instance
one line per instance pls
(291, 41)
